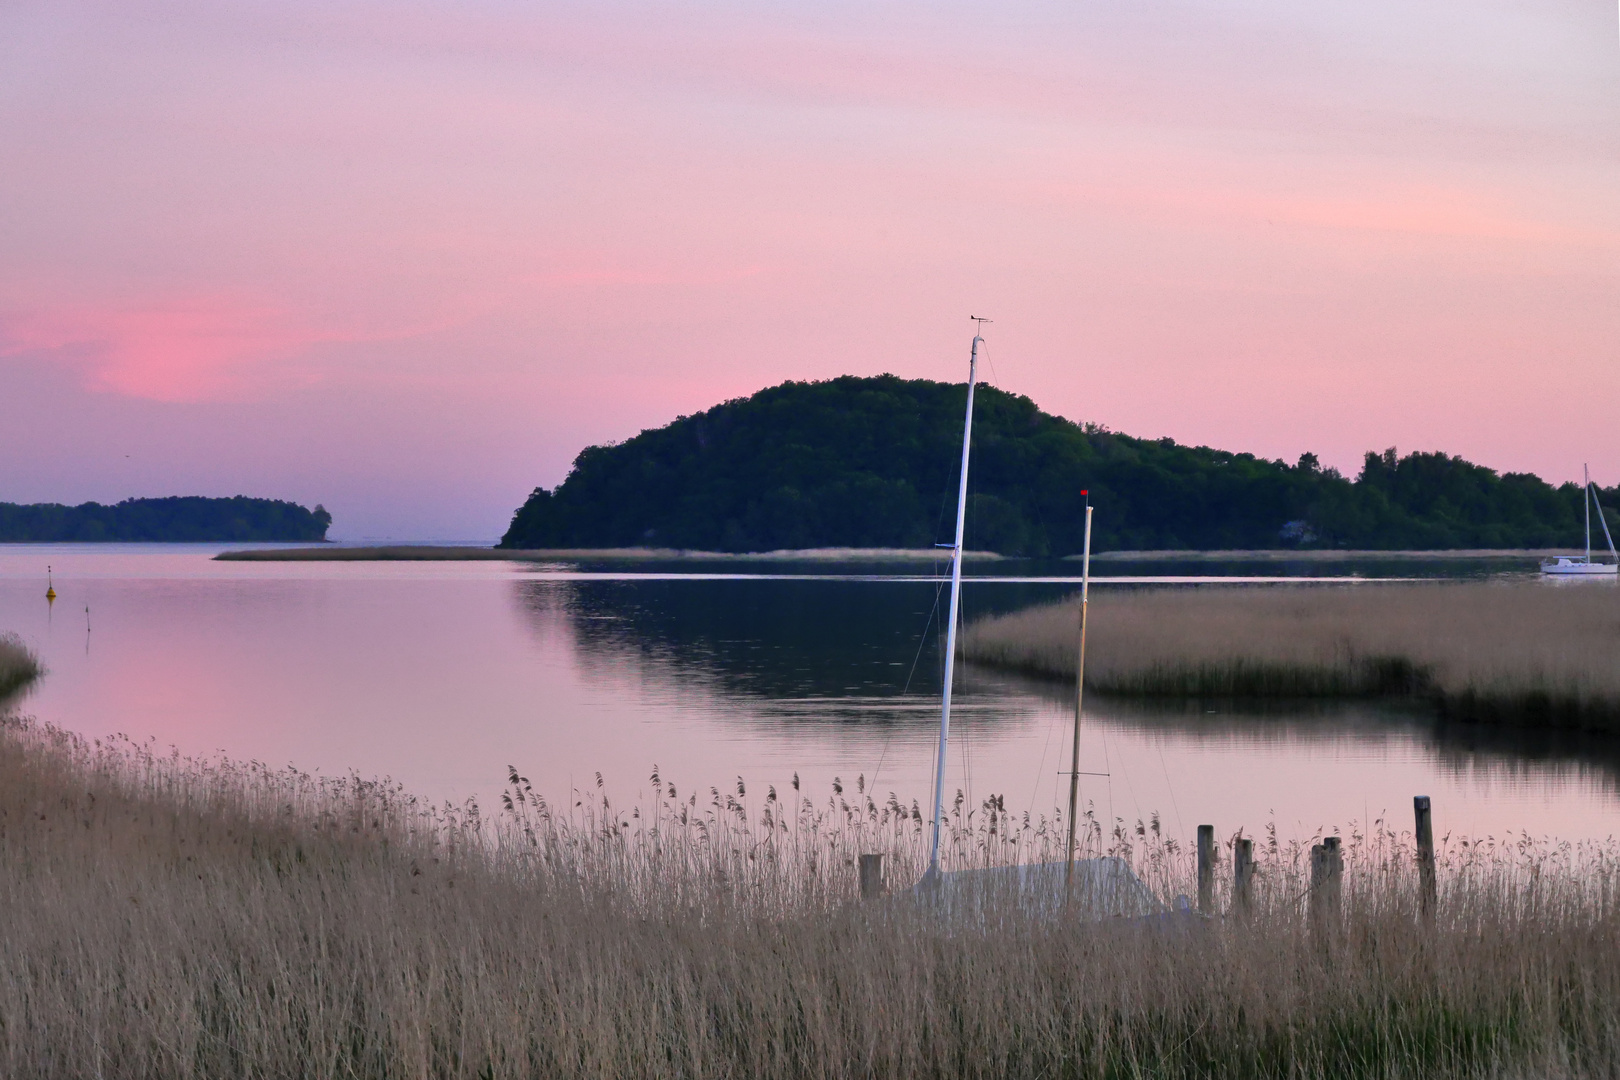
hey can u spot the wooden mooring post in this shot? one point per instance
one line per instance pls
(1242, 874)
(871, 877)
(1428, 893)
(1327, 876)
(1206, 869)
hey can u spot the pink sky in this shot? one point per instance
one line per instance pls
(407, 258)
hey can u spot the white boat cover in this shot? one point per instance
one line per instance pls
(1104, 888)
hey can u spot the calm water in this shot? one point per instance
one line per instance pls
(441, 674)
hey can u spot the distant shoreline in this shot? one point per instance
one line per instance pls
(173, 519)
(440, 553)
(1322, 554)
(430, 553)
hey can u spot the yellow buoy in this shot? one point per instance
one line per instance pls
(50, 589)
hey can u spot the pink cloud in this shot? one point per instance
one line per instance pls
(1380, 206)
(201, 348)
(1260, 224)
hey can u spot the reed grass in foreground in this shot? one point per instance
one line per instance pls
(1519, 653)
(18, 665)
(177, 918)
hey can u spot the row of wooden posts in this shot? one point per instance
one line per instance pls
(1327, 868)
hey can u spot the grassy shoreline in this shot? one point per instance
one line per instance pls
(173, 917)
(1326, 555)
(428, 553)
(1521, 653)
(433, 553)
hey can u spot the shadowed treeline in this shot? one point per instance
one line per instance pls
(871, 462)
(177, 519)
(178, 918)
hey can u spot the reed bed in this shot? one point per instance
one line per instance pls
(18, 665)
(1514, 653)
(169, 917)
(462, 553)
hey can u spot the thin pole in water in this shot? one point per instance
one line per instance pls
(1079, 699)
(956, 596)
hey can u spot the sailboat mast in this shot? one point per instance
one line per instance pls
(1607, 536)
(1079, 701)
(1586, 502)
(956, 597)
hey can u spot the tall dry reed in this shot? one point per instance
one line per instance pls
(1519, 652)
(18, 665)
(167, 917)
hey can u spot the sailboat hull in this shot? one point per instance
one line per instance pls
(1568, 566)
(1576, 568)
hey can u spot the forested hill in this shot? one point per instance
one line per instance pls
(872, 462)
(186, 518)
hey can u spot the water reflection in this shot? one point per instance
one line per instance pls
(843, 647)
(773, 659)
(442, 674)
(1508, 754)
(768, 640)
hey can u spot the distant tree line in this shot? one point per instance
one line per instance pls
(872, 462)
(176, 519)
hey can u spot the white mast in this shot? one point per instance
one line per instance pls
(956, 596)
(1592, 489)
(1079, 701)
(1586, 503)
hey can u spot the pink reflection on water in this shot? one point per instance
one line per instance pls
(442, 674)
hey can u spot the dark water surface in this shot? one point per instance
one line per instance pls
(442, 674)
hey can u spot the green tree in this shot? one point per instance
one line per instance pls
(865, 462)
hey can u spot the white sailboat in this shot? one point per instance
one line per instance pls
(1568, 566)
(1092, 888)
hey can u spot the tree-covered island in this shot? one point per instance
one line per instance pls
(178, 519)
(871, 462)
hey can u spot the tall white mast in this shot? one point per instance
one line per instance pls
(1586, 502)
(956, 596)
(1608, 537)
(1079, 702)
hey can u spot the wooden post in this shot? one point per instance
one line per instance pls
(1334, 859)
(1427, 889)
(1242, 874)
(1327, 865)
(1206, 869)
(871, 877)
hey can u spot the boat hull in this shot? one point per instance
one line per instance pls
(1574, 568)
